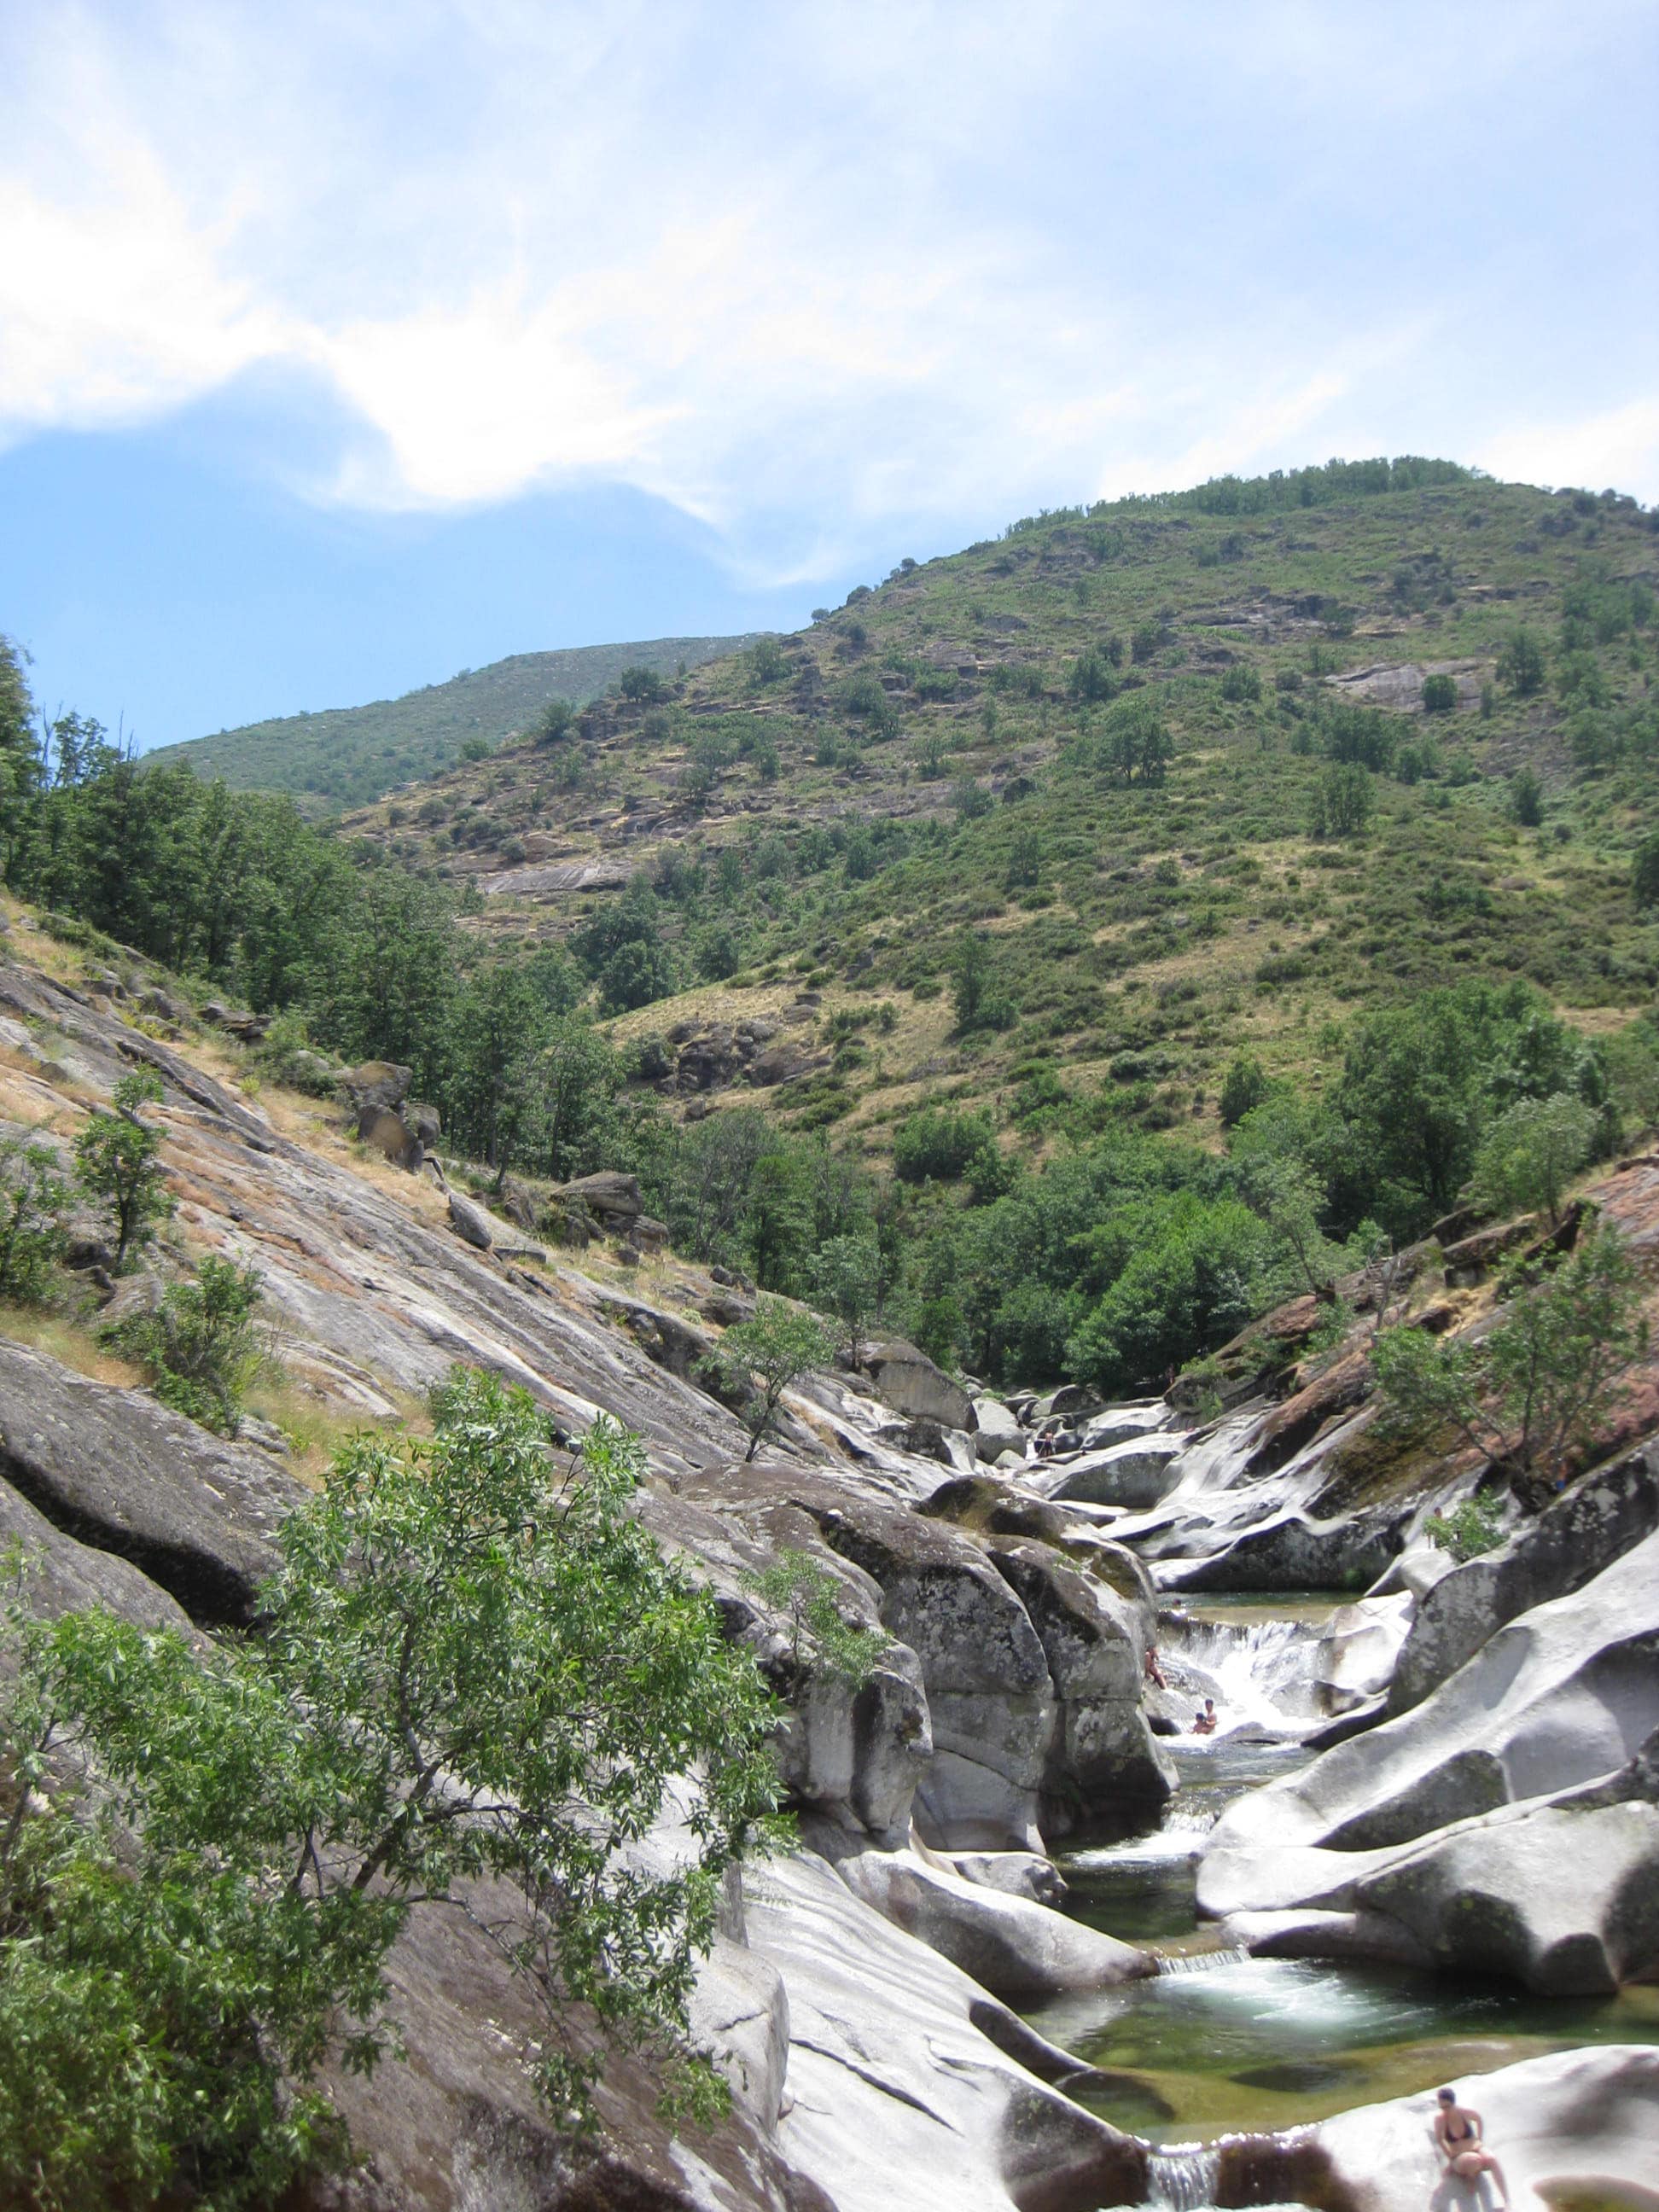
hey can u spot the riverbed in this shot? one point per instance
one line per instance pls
(1220, 2041)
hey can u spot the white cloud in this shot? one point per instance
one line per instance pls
(1619, 447)
(834, 265)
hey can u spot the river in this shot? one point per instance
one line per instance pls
(1220, 2041)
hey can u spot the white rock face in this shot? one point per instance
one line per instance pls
(894, 2098)
(1564, 1695)
(1359, 1647)
(1579, 2120)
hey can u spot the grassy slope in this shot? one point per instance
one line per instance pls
(353, 754)
(1172, 925)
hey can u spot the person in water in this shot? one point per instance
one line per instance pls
(1457, 2137)
(1205, 1722)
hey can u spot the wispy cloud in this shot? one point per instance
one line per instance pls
(797, 269)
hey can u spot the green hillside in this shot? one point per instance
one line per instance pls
(349, 755)
(972, 750)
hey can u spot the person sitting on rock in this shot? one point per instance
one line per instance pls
(1152, 1670)
(1205, 1722)
(1457, 2138)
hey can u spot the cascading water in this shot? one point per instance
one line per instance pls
(1260, 1672)
(1182, 2177)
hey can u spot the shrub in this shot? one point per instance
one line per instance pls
(643, 686)
(636, 974)
(1439, 695)
(1144, 642)
(1240, 684)
(555, 722)
(1341, 803)
(936, 1145)
(768, 661)
(1092, 678)
(809, 1594)
(1521, 663)
(119, 1163)
(200, 1346)
(1471, 1527)
(1243, 1088)
(31, 1196)
(1644, 872)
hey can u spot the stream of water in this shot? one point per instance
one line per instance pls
(1221, 2041)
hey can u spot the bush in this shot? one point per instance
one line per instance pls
(809, 1594)
(935, 1145)
(554, 723)
(643, 686)
(1644, 872)
(1341, 803)
(1439, 695)
(200, 1346)
(31, 1196)
(1474, 1526)
(1240, 683)
(1093, 678)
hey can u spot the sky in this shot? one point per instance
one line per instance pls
(343, 346)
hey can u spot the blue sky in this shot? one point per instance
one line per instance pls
(343, 346)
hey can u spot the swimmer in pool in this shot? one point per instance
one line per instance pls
(1457, 2134)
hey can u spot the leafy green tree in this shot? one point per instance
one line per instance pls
(846, 1275)
(1644, 872)
(32, 1197)
(637, 973)
(475, 1666)
(1472, 1527)
(1243, 1088)
(1439, 695)
(777, 1217)
(1537, 1391)
(571, 1086)
(1288, 1196)
(1521, 663)
(20, 765)
(119, 1162)
(555, 722)
(1341, 802)
(808, 1596)
(1240, 683)
(1196, 1278)
(970, 977)
(934, 1144)
(767, 662)
(641, 686)
(201, 1345)
(1527, 799)
(1024, 868)
(970, 799)
(1531, 1153)
(768, 1355)
(1093, 679)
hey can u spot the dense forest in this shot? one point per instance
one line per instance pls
(1070, 1112)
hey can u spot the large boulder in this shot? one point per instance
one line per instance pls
(1010, 1945)
(1573, 1539)
(615, 1197)
(908, 1382)
(998, 1429)
(1103, 1763)
(376, 1086)
(989, 1688)
(120, 1473)
(1358, 1650)
(1564, 1899)
(1138, 1473)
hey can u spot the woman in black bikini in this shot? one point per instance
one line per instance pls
(1457, 2138)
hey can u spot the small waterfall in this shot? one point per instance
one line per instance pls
(1200, 1962)
(1181, 2177)
(1260, 1673)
